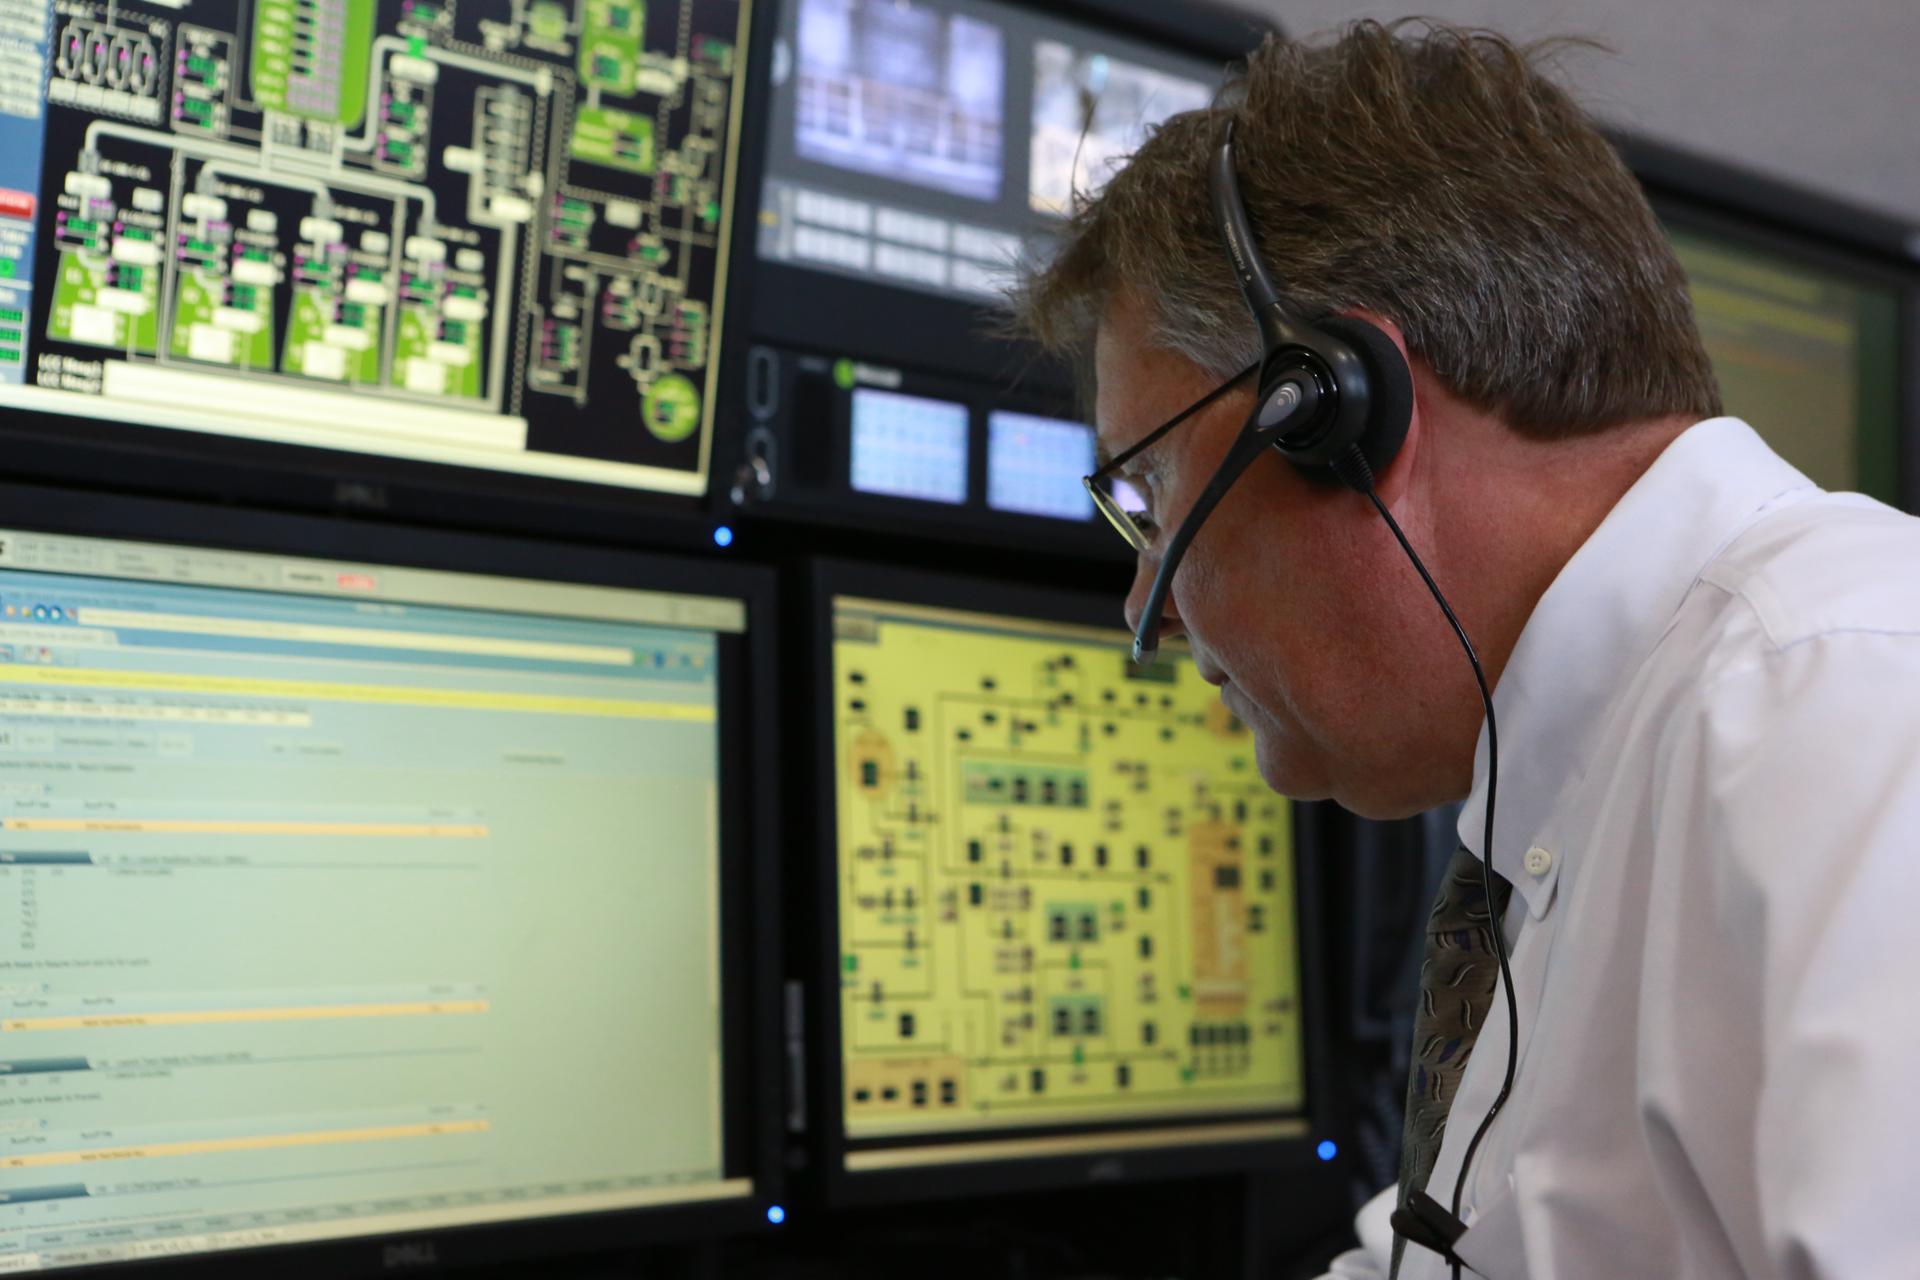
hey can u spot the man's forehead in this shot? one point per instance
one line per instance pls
(1138, 386)
(1126, 371)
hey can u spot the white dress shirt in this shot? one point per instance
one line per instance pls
(1709, 808)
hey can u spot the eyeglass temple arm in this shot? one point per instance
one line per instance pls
(1133, 450)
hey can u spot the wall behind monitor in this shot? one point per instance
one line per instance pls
(1821, 95)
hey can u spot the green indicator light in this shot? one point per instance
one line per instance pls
(417, 46)
(851, 963)
(9, 355)
(843, 373)
(712, 211)
(12, 316)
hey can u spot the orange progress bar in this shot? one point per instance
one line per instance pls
(288, 1013)
(261, 1142)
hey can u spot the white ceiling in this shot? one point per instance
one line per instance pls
(1823, 94)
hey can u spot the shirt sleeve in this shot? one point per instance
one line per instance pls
(1809, 805)
(1375, 1255)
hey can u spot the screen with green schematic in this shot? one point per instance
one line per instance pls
(343, 900)
(490, 236)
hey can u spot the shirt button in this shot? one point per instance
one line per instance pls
(1539, 861)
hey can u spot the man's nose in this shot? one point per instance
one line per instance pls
(1143, 571)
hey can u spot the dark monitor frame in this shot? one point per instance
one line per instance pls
(750, 909)
(821, 975)
(790, 303)
(837, 501)
(126, 457)
(1693, 192)
(930, 340)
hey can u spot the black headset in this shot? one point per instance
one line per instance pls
(1335, 394)
(1335, 398)
(1355, 419)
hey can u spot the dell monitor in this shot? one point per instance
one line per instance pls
(910, 156)
(1066, 936)
(354, 902)
(477, 242)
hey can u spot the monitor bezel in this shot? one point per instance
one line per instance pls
(829, 578)
(124, 456)
(807, 314)
(750, 868)
(788, 302)
(971, 519)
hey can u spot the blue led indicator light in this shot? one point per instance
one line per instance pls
(776, 1215)
(1326, 1150)
(722, 536)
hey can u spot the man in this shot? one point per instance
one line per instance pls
(1705, 668)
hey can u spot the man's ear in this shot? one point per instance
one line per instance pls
(1390, 482)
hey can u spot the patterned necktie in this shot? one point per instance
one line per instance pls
(1456, 987)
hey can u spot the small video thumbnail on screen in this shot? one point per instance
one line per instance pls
(1090, 112)
(902, 91)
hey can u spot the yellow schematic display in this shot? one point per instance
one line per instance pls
(1065, 895)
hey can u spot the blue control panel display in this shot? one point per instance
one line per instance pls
(1035, 466)
(909, 446)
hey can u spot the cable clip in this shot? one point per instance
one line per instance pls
(1423, 1221)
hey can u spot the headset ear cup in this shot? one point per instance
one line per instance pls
(1391, 385)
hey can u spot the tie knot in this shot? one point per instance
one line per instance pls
(1462, 904)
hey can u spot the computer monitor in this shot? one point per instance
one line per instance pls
(910, 154)
(928, 144)
(1806, 351)
(351, 901)
(486, 237)
(1065, 933)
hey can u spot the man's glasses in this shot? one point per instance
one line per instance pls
(1121, 503)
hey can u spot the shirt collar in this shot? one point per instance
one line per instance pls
(1598, 621)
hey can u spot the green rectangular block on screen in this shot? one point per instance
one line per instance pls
(617, 139)
(310, 57)
(610, 39)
